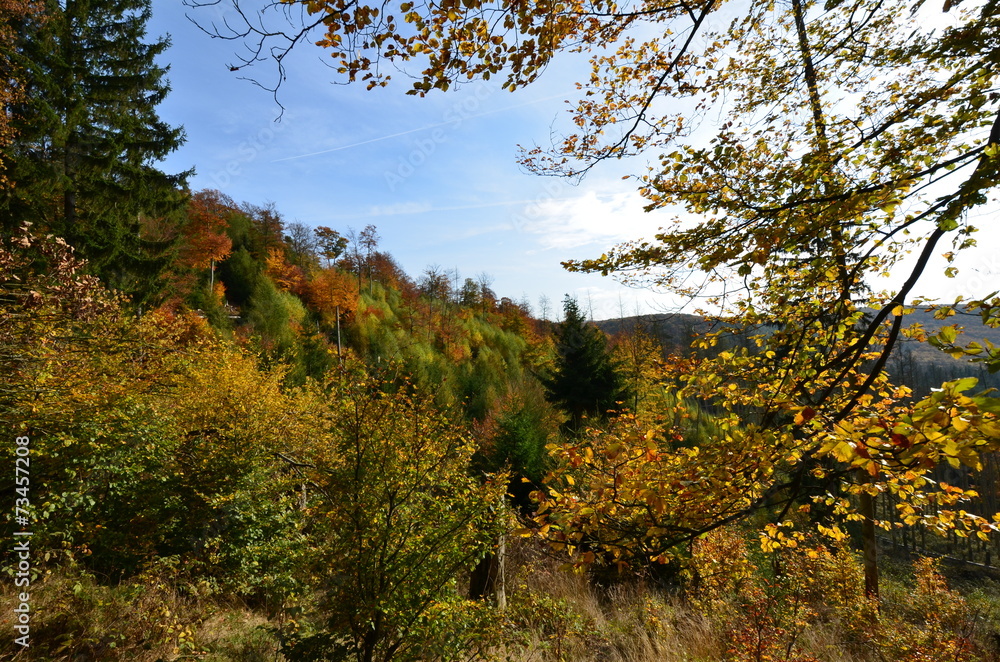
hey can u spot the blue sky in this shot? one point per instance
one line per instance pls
(437, 175)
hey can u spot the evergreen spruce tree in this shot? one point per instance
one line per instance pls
(83, 164)
(585, 382)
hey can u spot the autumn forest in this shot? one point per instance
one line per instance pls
(232, 436)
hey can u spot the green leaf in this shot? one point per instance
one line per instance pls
(948, 334)
(963, 384)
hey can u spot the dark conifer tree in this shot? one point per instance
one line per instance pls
(585, 382)
(89, 137)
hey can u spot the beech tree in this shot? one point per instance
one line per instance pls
(44, 296)
(395, 516)
(332, 294)
(331, 243)
(809, 148)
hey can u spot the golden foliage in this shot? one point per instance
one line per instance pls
(332, 291)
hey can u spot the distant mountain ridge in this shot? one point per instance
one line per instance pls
(914, 363)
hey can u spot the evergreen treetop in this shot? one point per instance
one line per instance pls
(89, 136)
(584, 382)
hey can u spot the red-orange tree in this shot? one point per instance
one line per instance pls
(11, 12)
(205, 240)
(331, 293)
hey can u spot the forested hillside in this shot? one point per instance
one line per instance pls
(232, 436)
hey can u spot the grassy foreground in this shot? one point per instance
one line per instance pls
(731, 603)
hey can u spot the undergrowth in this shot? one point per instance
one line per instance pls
(732, 603)
(147, 619)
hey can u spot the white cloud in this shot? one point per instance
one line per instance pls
(591, 218)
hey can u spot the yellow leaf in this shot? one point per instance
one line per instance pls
(843, 451)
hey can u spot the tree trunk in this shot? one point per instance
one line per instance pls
(869, 544)
(339, 358)
(487, 579)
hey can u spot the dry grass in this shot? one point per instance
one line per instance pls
(559, 616)
(552, 616)
(74, 619)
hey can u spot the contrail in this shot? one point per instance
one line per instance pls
(422, 128)
(426, 210)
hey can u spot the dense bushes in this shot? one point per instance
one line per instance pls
(163, 452)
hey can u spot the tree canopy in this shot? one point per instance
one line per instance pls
(806, 150)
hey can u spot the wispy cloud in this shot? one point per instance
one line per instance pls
(448, 121)
(409, 208)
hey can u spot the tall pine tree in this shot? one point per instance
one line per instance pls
(88, 140)
(585, 381)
